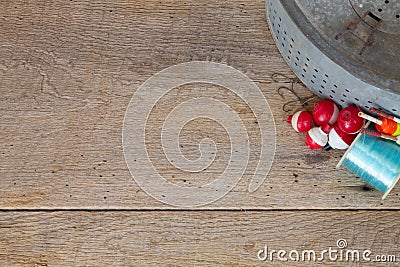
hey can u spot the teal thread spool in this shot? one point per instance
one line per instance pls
(375, 160)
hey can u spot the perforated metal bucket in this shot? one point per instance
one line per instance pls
(346, 50)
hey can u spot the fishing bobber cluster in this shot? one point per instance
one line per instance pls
(328, 127)
(368, 155)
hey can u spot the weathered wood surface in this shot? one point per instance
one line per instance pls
(69, 69)
(191, 238)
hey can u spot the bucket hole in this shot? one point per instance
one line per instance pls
(373, 16)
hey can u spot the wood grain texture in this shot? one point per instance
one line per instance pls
(69, 69)
(191, 238)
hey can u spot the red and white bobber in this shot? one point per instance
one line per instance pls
(317, 137)
(337, 139)
(302, 121)
(325, 112)
(348, 121)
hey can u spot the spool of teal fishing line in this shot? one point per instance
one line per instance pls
(375, 160)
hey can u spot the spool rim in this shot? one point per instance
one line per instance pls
(391, 187)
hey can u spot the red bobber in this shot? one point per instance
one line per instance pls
(302, 121)
(349, 121)
(325, 112)
(317, 137)
(339, 139)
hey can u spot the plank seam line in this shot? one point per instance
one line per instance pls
(3, 210)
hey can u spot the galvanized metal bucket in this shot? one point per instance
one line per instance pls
(345, 50)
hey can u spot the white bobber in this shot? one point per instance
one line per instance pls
(339, 139)
(317, 137)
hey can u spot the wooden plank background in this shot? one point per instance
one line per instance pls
(192, 238)
(68, 70)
